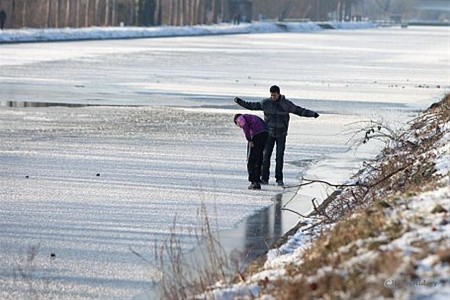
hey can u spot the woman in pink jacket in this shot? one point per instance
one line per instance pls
(256, 133)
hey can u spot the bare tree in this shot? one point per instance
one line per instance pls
(24, 13)
(67, 20)
(114, 13)
(49, 7)
(56, 13)
(77, 14)
(214, 11)
(96, 12)
(196, 9)
(175, 13)
(157, 13)
(86, 13)
(107, 13)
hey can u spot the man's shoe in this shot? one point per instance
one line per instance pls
(280, 183)
(264, 181)
(254, 186)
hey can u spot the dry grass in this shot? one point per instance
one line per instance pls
(404, 166)
(323, 269)
(185, 275)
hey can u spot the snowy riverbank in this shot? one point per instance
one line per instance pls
(102, 33)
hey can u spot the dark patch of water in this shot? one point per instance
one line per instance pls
(37, 104)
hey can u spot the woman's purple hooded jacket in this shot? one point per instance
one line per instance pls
(252, 125)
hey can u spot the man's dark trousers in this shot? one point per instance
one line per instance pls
(279, 160)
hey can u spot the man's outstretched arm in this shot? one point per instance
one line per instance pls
(300, 111)
(303, 112)
(248, 105)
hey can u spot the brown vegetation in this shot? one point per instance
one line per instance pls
(184, 275)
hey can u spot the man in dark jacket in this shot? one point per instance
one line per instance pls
(255, 131)
(276, 114)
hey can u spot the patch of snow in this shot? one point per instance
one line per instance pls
(99, 33)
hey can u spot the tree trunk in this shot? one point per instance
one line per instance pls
(77, 14)
(157, 12)
(96, 13)
(67, 20)
(181, 12)
(114, 11)
(191, 12)
(13, 14)
(86, 14)
(107, 13)
(223, 10)
(57, 14)
(174, 13)
(348, 10)
(339, 10)
(203, 12)
(170, 21)
(196, 12)
(132, 13)
(214, 11)
(49, 6)
(24, 14)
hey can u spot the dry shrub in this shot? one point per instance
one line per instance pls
(405, 164)
(185, 275)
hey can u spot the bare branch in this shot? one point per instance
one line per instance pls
(311, 181)
(293, 211)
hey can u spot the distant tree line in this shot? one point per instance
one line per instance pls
(86, 13)
(336, 10)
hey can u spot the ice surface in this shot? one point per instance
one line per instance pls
(92, 184)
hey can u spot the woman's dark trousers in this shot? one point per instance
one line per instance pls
(255, 156)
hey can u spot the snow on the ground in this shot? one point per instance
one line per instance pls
(98, 33)
(433, 278)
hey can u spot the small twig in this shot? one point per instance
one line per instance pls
(319, 212)
(140, 256)
(293, 211)
(292, 198)
(390, 175)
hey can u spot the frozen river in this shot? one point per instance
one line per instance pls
(82, 187)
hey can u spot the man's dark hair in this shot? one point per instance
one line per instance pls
(274, 89)
(236, 116)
